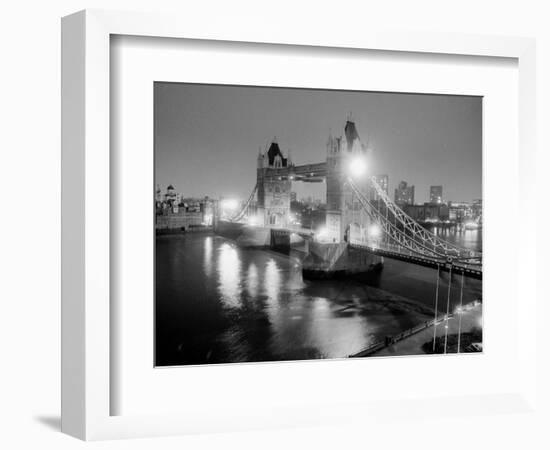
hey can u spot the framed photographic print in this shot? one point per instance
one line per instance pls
(264, 229)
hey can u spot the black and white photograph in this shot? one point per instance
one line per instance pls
(300, 224)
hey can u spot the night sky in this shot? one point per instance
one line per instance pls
(207, 137)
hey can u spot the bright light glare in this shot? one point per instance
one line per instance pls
(374, 231)
(252, 220)
(322, 232)
(229, 204)
(357, 166)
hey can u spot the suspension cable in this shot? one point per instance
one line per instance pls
(448, 303)
(436, 303)
(416, 240)
(460, 312)
(244, 210)
(400, 237)
(411, 225)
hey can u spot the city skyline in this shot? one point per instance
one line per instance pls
(202, 131)
(306, 197)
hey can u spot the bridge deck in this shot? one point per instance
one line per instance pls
(470, 270)
(306, 172)
(303, 232)
(398, 253)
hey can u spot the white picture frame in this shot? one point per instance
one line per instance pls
(86, 220)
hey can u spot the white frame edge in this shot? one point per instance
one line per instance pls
(72, 218)
(85, 186)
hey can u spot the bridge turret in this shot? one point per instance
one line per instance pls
(354, 144)
(342, 207)
(275, 157)
(273, 187)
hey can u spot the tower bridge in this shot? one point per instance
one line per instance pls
(359, 232)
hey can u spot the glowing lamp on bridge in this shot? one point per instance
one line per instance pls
(357, 166)
(322, 233)
(207, 219)
(374, 231)
(229, 204)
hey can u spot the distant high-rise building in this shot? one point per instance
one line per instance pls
(404, 194)
(436, 194)
(383, 182)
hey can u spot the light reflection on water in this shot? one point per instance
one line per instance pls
(208, 256)
(272, 281)
(253, 280)
(471, 239)
(336, 337)
(228, 269)
(253, 305)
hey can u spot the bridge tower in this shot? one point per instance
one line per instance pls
(344, 213)
(273, 190)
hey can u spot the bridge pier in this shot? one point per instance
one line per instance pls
(254, 236)
(280, 240)
(321, 260)
(333, 260)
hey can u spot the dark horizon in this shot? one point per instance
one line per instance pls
(207, 137)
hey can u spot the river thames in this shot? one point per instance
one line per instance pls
(220, 303)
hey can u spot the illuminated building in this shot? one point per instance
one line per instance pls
(436, 194)
(383, 182)
(404, 194)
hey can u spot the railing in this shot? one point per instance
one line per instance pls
(390, 340)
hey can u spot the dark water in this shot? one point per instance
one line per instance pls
(219, 303)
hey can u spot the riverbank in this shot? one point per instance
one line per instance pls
(183, 230)
(421, 342)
